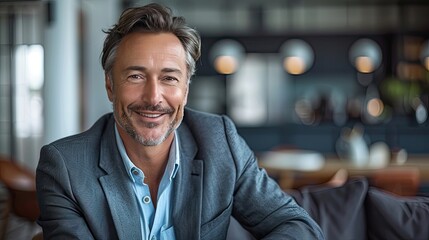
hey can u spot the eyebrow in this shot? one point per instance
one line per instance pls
(136, 68)
(164, 70)
(171, 70)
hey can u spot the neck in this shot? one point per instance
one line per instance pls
(152, 160)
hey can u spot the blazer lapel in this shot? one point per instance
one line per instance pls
(188, 186)
(119, 193)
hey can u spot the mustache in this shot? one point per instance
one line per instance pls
(155, 108)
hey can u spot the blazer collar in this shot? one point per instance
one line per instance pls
(119, 194)
(188, 186)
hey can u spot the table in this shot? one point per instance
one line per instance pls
(289, 176)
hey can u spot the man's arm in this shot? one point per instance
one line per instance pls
(259, 204)
(60, 216)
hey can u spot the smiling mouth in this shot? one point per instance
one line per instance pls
(150, 115)
(151, 111)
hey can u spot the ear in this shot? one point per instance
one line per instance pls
(109, 86)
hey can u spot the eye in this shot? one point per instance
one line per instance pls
(170, 79)
(135, 78)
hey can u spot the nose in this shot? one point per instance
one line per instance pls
(152, 92)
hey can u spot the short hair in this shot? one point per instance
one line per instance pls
(152, 18)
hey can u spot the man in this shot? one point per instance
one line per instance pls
(142, 173)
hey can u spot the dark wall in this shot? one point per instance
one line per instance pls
(399, 133)
(331, 58)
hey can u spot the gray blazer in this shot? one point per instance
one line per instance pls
(82, 194)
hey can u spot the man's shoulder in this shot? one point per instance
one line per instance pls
(195, 115)
(93, 134)
(208, 124)
(205, 119)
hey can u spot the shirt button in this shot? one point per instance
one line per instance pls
(135, 172)
(146, 199)
(153, 238)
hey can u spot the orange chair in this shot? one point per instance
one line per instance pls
(21, 185)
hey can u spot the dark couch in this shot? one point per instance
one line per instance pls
(356, 211)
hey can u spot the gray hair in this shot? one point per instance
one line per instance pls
(152, 18)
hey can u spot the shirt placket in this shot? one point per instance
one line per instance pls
(145, 201)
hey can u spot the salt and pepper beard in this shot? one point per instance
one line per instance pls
(125, 123)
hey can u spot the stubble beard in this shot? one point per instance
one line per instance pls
(125, 122)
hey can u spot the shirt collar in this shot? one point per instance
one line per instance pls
(173, 158)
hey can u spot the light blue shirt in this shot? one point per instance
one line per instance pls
(155, 223)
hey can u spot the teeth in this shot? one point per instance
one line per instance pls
(150, 115)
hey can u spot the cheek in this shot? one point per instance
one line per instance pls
(127, 95)
(179, 115)
(176, 97)
(185, 98)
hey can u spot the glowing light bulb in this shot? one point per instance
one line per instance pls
(294, 65)
(226, 64)
(375, 107)
(364, 64)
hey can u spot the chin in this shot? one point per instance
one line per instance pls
(153, 140)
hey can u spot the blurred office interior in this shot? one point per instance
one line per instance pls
(289, 72)
(342, 79)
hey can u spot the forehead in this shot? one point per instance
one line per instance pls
(151, 46)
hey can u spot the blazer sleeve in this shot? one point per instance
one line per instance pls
(60, 216)
(260, 205)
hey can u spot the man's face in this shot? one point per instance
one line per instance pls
(150, 86)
